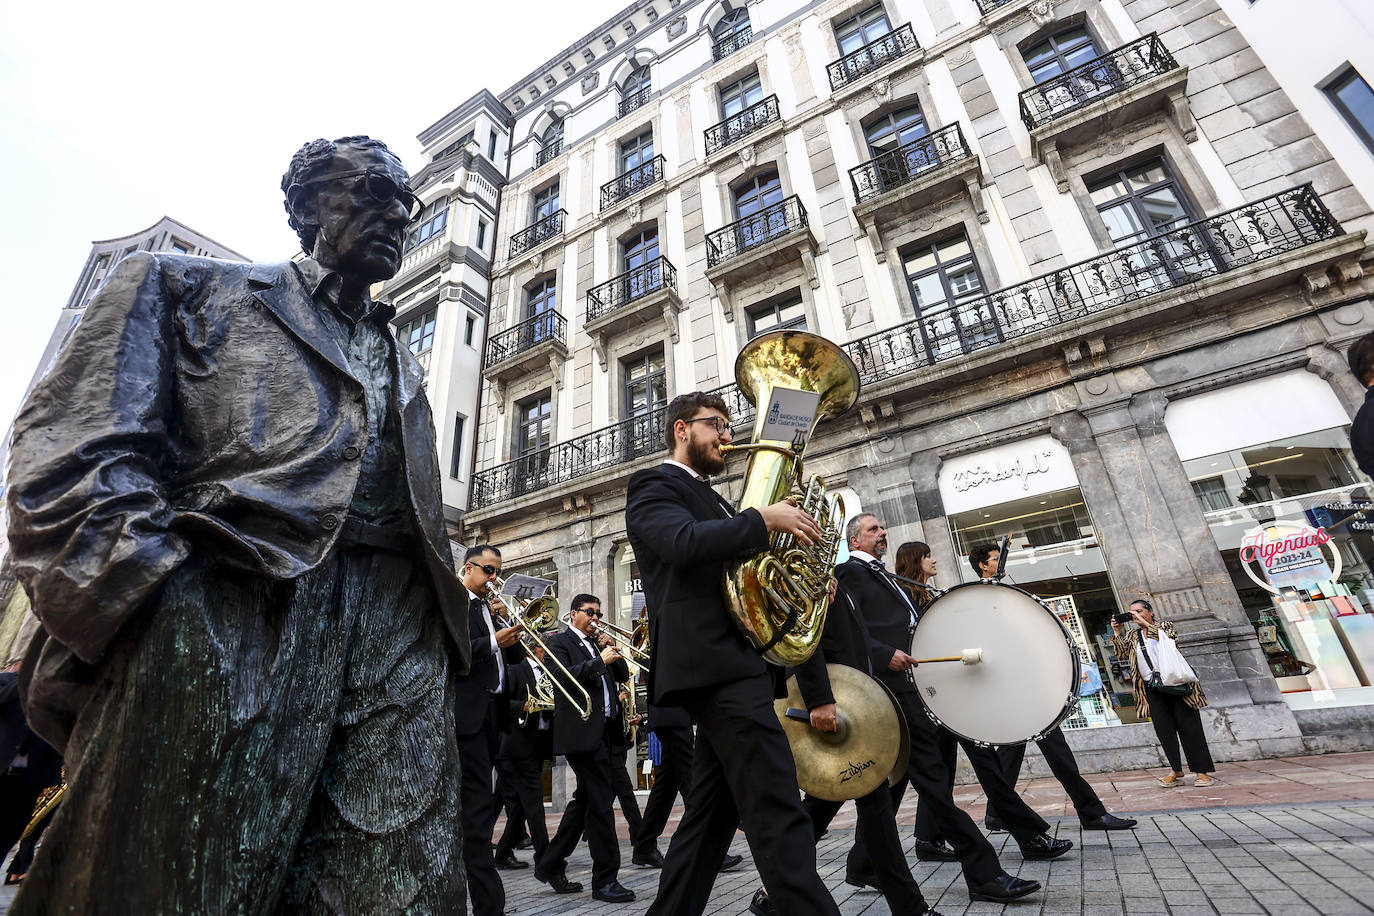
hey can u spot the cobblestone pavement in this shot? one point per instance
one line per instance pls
(1289, 837)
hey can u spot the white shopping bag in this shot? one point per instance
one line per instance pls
(1174, 669)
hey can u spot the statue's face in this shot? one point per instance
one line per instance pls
(363, 216)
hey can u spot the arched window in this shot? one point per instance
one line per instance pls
(731, 33)
(894, 129)
(550, 143)
(636, 89)
(1060, 53)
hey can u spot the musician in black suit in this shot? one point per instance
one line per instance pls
(586, 743)
(28, 765)
(520, 765)
(891, 617)
(481, 714)
(845, 641)
(1092, 814)
(683, 533)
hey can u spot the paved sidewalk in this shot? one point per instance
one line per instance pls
(1288, 837)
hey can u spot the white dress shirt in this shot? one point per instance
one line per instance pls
(596, 653)
(864, 557)
(495, 649)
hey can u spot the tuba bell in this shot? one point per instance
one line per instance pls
(779, 598)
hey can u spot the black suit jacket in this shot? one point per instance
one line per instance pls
(201, 405)
(44, 766)
(682, 538)
(473, 691)
(526, 740)
(844, 641)
(885, 614)
(572, 735)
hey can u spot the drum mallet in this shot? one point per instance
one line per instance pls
(968, 657)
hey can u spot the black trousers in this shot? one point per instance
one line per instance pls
(17, 799)
(523, 797)
(742, 774)
(1062, 764)
(589, 811)
(274, 746)
(877, 824)
(478, 815)
(1021, 820)
(624, 788)
(930, 772)
(673, 776)
(1176, 722)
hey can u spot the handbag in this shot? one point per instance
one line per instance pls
(1174, 669)
(1156, 681)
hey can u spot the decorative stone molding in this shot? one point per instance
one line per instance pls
(590, 82)
(1042, 11)
(578, 505)
(1349, 271)
(874, 413)
(746, 155)
(880, 88)
(677, 28)
(684, 102)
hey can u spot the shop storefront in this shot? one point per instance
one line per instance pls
(626, 610)
(1028, 492)
(1270, 464)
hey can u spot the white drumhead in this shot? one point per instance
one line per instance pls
(1028, 676)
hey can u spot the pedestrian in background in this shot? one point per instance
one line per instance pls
(1176, 718)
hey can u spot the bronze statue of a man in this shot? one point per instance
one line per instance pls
(224, 501)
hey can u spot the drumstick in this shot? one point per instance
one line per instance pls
(968, 657)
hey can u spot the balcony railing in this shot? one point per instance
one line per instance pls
(729, 44)
(636, 99)
(1104, 76)
(897, 43)
(629, 286)
(1237, 238)
(908, 162)
(541, 230)
(546, 326)
(739, 126)
(548, 152)
(784, 217)
(595, 451)
(987, 6)
(631, 182)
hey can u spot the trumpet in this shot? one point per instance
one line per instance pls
(541, 614)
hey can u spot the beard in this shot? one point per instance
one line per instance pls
(705, 459)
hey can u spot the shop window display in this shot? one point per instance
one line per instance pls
(1293, 519)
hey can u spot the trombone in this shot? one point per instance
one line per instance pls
(536, 615)
(634, 645)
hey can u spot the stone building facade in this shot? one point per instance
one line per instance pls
(1096, 265)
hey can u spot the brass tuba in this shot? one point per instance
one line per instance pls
(779, 598)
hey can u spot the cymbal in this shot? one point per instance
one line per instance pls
(903, 743)
(857, 760)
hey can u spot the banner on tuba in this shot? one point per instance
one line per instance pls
(790, 415)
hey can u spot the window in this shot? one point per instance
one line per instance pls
(947, 294)
(455, 146)
(646, 390)
(534, 424)
(758, 193)
(180, 247)
(1060, 53)
(636, 82)
(758, 223)
(430, 222)
(895, 129)
(735, 22)
(456, 465)
(553, 135)
(636, 152)
(640, 261)
(1139, 202)
(481, 234)
(491, 145)
(780, 314)
(541, 300)
(546, 202)
(468, 328)
(417, 335)
(853, 32)
(1353, 98)
(741, 94)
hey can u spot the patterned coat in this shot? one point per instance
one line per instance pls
(1126, 645)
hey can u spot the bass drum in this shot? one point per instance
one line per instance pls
(1027, 682)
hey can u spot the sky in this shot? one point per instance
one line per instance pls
(114, 115)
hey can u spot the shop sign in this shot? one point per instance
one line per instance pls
(1289, 555)
(1005, 473)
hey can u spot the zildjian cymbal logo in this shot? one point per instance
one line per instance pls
(854, 770)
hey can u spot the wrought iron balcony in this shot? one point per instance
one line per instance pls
(987, 6)
(599, 450)
(769, 224)
(1113, 72)
(905, 164)
(546, 327)
(548, 153)
(541, 230)
(883, 50)
(1209, 247)
(636, 99)
(739, 126)
(632, 182)
(633, 284)
(729, 44)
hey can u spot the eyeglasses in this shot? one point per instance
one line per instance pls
(720, 423)
(381, 189)
(489, 570)
(590, 612)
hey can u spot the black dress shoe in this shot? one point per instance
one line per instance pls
(560, 883)
(1002, 888)
(652, 858)
(994, 824)
(937, 851)
(526, 843)
(615, 892)
(729, 862)
(509, 862)
(1109, 822)
(761, 905)
(1044, 846)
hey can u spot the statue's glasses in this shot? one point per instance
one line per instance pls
(379, 187)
